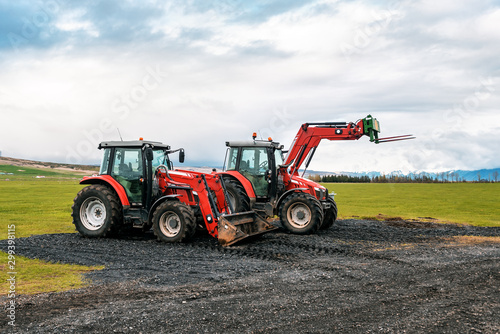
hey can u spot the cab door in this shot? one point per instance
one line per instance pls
(128, 171)
(254, 164)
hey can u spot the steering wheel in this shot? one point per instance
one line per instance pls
(157, 169)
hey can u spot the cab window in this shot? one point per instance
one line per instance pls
(254, 160)
(105, 161)
(127, 162)
(278, 157)
(232, 158)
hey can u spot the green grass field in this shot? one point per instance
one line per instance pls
(43, 205)
(467, 203)
(38, 206)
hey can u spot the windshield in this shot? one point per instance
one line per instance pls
(160, 158)
(278, 156)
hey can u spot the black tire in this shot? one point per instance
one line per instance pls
(174, 222)
(146, 228)
(97, 212)
(240, 202)
(330, 215)
(301, 213)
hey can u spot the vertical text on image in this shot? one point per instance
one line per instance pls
(11, 274)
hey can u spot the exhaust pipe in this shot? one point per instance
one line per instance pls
(239, 226)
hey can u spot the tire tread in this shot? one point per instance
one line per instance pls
(116, 211)
(313, 203)
(189, 219)
(242, 197)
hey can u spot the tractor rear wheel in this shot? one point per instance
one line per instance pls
(301, 213)
(237, 196)
(330, 215)
(174, 222)
(97, 211)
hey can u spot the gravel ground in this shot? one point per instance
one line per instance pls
(359, 276)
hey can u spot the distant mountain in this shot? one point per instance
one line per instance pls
(452, 175)
(480, 174)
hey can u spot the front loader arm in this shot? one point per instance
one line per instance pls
(310, 135)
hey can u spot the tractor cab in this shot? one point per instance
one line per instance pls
(132, 163)
(256, 160)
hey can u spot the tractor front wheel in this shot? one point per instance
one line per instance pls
(174, 222)
(301, 213)
(96, 212)
(330, 215)
(237, 196)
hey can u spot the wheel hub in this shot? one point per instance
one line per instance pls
(170, 224)
(173, 224)
(93, 213)
(299, 215)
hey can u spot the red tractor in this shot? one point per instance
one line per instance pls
(137, 187)
(258, 176)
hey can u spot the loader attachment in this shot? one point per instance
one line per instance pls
(236, 227)
(372, 128)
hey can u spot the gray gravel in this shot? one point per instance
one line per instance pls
(359, 276)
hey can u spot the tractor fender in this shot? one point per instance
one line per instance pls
(158, 202)
(109, 181)
(247, 185)
(285, 195)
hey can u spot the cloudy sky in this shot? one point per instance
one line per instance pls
(195, 73)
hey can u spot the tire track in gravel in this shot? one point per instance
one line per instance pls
(142, 257)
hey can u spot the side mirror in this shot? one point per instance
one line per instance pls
(181, 156)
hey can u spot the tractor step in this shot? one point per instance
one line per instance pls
(239, 226)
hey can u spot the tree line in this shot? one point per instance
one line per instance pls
(411, 178)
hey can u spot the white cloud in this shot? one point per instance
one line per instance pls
(235, 68)
(73, 22)
(487, 25)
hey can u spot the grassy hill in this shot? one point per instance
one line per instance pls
(16, 169)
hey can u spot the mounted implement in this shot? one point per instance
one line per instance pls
(137, 187)
(216, 210)
(258, 177)
(236, 227)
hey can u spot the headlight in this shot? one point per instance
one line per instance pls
(320, 193)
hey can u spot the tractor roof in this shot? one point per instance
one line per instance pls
(254, 143)
(133, 143)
